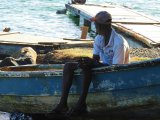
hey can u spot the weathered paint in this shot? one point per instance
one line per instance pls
(96, 102)
(112, 87)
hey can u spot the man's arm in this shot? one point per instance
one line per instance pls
(96, 61)
(119, 55)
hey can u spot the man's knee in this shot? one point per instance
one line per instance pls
(78, 1)
(70, 67)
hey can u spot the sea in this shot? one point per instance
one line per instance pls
(38, 17)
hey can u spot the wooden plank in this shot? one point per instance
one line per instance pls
(118, 14)
(137, 36)
(152, 32)
(8, 33)
(30, 39)
(137, 23)
(77, 39)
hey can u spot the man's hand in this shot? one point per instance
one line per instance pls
(86, 63)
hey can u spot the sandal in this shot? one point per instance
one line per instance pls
(56, 113)
(77, 111)
(59, 111)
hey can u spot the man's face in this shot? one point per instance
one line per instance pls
(97, 27)
(102, 28)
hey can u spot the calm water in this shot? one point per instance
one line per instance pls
(39, 17)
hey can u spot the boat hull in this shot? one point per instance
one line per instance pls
(104, 102)
(8, 49)
(112, 87)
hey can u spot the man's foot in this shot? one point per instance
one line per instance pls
(78, 110)
(58, 111)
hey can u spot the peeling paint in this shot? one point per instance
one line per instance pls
(54, 73)
(14, 74)
(95, 101)
(106, 83)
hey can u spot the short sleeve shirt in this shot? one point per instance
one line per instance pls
(115, 52)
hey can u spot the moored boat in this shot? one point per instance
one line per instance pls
(12, 42)
(37, 88)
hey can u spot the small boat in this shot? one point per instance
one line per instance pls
(10, 42)
(13, 42)
(37, 88)
(8, 49)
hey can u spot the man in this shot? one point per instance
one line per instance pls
(109, 47)
(78, 1)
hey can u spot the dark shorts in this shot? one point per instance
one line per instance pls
(76, 65)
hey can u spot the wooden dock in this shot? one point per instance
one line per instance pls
(11, 42)
(139, 26)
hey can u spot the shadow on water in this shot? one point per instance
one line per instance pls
(75, 19)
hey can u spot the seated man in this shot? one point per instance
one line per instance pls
(78, 1)
(109, 47)
(24, 56)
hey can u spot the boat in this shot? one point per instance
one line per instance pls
(37, 88)
(10, 42)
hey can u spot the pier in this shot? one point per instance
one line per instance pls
(139, 26)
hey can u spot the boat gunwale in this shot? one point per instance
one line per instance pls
(48, 70)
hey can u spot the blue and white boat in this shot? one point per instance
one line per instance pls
(37, 88)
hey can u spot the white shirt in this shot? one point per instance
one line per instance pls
(115, 52)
